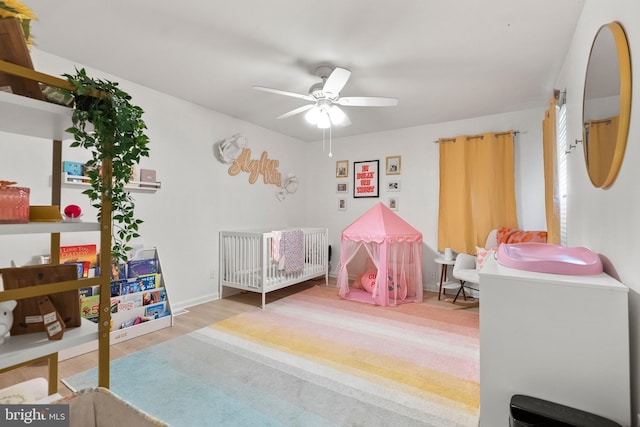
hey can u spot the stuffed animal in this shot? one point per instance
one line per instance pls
(6, 317)
(368, 282)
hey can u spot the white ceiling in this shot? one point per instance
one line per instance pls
(443, 60)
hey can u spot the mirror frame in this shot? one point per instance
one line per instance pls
(624, 63)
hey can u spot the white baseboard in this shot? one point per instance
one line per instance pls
(194, 301)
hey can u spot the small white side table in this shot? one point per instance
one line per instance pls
(445, 263)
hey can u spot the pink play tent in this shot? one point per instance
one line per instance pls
(394, 248)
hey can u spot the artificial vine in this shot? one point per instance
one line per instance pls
(110, 127)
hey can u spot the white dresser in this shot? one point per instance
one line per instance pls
(560, 338)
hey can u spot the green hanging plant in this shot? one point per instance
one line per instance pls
(110, 127)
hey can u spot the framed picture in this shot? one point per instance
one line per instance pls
(342, 187)
(393, 203)
(393, 185)
(342, 169)
(342, 204)
(366, 178)
(393, 165)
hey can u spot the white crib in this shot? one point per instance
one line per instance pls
(246, 261)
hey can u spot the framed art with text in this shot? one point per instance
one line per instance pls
(366, 178)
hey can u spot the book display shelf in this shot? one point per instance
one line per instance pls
(139, 304)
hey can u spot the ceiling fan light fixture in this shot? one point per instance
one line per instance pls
(337, 116)
(324, 121)
(312, 116)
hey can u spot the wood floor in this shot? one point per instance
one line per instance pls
(197, 317)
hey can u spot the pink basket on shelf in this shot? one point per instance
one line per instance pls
(14, 205)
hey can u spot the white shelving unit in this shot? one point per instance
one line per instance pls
(82, 181)
(17, 349)
(48, 227)
(35, 118)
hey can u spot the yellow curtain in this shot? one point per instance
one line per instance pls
(600, 135)
(551, 193)
(477, 191)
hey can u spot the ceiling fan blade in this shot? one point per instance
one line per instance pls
(335, 82)
(367, 101)
(295, 111)
(286, 93)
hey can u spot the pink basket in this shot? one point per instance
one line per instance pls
(14, 205)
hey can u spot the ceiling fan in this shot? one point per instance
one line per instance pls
(325, 111)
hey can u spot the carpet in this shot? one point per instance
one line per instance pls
(310, 359)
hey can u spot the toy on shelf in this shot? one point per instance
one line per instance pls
(72, 213)
(6, 317)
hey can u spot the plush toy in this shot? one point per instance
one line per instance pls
(6, 317)
(368, 282)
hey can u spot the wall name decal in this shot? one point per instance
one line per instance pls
(264, 166)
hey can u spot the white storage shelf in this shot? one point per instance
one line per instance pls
(31, 117)
(48, 227)
(82, 181)
(18, 348)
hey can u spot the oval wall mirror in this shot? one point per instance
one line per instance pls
(606, 108)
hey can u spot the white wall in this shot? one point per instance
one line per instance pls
(418, 198)
(607, 220)
(198, 197)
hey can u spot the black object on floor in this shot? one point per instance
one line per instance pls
(526, 411)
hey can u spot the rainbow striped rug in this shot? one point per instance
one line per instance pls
(312, 359)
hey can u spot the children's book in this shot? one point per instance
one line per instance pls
(142, 267)
(79, 253)
(148, 282)
(154, 297)
(130, 287)
(118, 271)
(83, 268)
(73, 168)
(90, 306)
(154, 310)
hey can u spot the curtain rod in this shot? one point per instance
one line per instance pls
(597, 122)
(514, 133)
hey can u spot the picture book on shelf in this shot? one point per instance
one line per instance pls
(79, 253)
(142, 267)
(73, 168)
(154, 297)
(127, 302)
(135, 284)
(83, 268)
(90, 306)
(154, 310)
(118, 271)
(130, 287)
(148, 282)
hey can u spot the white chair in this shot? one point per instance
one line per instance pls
(465, 270)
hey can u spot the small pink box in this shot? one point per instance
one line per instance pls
(14, 205)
